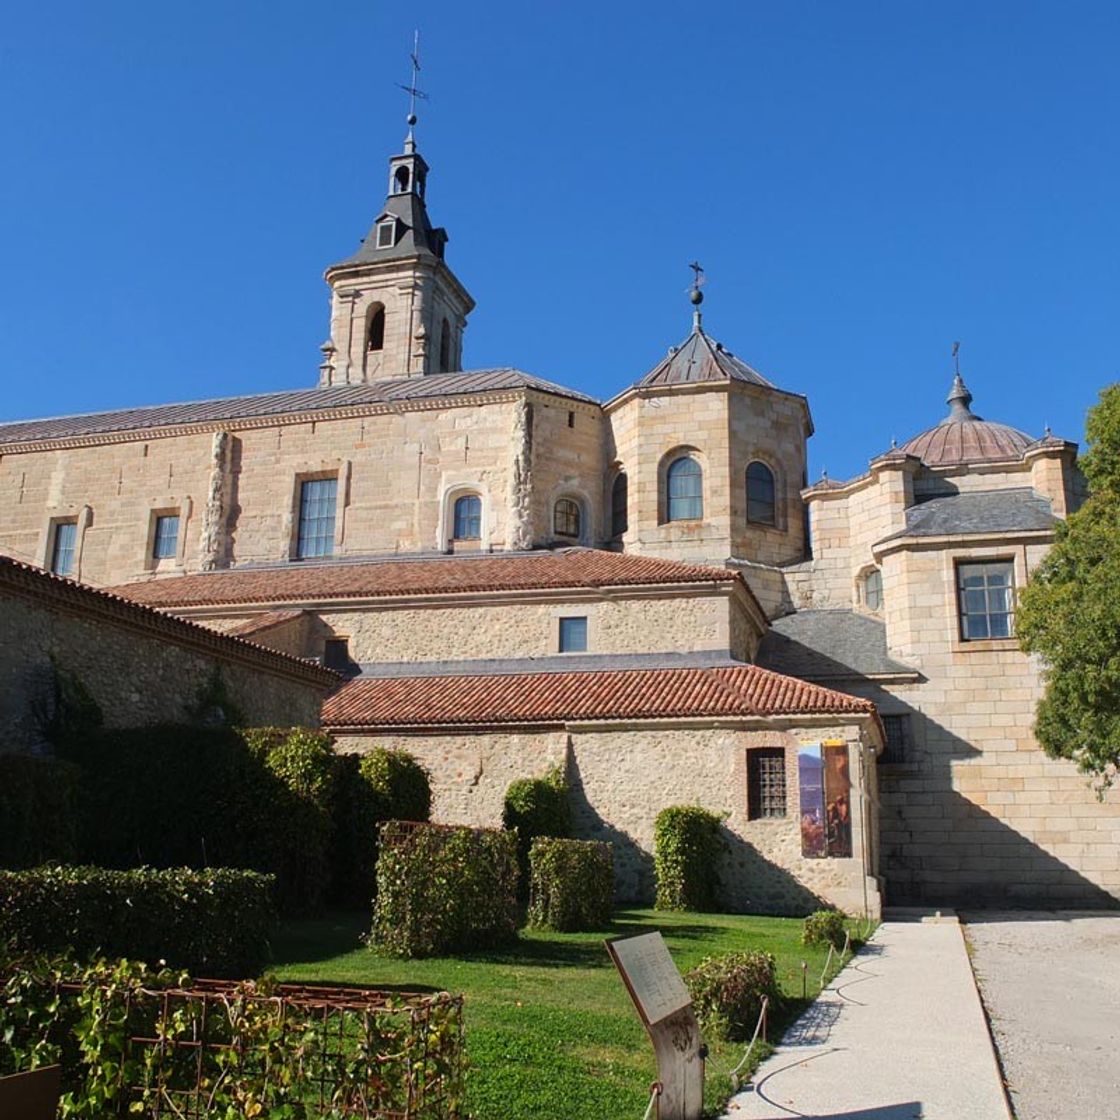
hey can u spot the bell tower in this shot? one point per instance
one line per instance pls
(397, 310)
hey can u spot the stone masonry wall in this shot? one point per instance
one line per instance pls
(137, 678)
(621, 778)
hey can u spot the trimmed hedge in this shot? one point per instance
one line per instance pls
(372, 788)
(572, 884)
(38, 810)
(216, 923)
(536, 807)
(824, 927)
(727, 992)
(687, 845)
(181, 796)
(443, 889)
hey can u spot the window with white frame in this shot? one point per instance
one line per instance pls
(64, 546)
(873, 590)
(684, 499)
(986, 599)
(387, 234)
(165, 539)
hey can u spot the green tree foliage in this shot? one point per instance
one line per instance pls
(1069, 614)
(38, 810)
(536, 807)
(687, 845)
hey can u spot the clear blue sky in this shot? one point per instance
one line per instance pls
(864, 183)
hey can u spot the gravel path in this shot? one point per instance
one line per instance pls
(1051, 986)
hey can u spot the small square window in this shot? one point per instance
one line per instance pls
(766, 783)
(985, 599)
(897, 746)
(573, 635)
(165, 543)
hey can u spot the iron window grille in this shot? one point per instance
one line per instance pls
(985, 596)
(565, 518)
(897, 746)
(766, 783)
(317, 498)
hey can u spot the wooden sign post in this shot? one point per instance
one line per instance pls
(665, 1008)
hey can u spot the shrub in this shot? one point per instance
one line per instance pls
(824, 927)
(38, 810)
(373, 788)
(727, 992)
(443, 889)
(686, 847)
(215, 922)
(180, 796)
(572, 885)
(536, 807)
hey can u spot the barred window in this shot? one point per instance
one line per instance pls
(766, 783)
(984, 594)
(316, 517)
(565, 518)
(897, 746)
(165, 544)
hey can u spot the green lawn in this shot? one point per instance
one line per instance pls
(551, 1032)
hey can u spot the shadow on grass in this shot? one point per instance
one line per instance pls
(321, 938)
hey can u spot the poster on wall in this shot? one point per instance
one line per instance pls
(825, 787)
(810, 778)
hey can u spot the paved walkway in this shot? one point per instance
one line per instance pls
(1052, 988)
(899, 1035)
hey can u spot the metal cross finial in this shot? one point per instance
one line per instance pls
(698, 279)
(411, 89)
(957, 358)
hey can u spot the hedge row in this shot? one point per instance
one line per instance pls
(215, 923)
(536, 807)
(442, 888)
(278, 800)
(572, 884)
(38, 810)
(687, 846)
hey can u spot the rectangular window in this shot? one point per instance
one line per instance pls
(985, 592)
(897, 745)
(63, 548)
(766, 783)
(165, 543)
(316, 517)
(336, 654)
(573, 635)
(386, 235)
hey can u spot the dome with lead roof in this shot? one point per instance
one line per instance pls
(963, 437)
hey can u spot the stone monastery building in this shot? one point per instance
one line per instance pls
(644, 591)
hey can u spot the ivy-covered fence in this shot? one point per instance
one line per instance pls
(155, 1045)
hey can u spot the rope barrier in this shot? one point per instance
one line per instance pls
(827, 962)
(654, 1092)
(847, 944)
(734, 1075)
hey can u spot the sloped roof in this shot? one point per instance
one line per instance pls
(438, 575)
(981, 511)
(549, 698)
(700, 358)
(29, 581)
(828, 645)
(277, 404)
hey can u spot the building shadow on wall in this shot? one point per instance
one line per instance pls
(752, 884)
(633, 865)
(937, 846)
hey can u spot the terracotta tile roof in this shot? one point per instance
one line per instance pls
(261, 622)
(30, 582)
(440, 575)
(549, 698)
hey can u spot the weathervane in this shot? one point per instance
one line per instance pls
(411, 89)
(695, 295)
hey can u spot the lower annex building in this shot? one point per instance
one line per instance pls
(644, 592)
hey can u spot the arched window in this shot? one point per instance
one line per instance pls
(873, 590)
(685, 486)
(619, 523)
(375, 332)
(760, 494)
(565, 518)
(402, 180)
(468, 518)
(445, 347)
